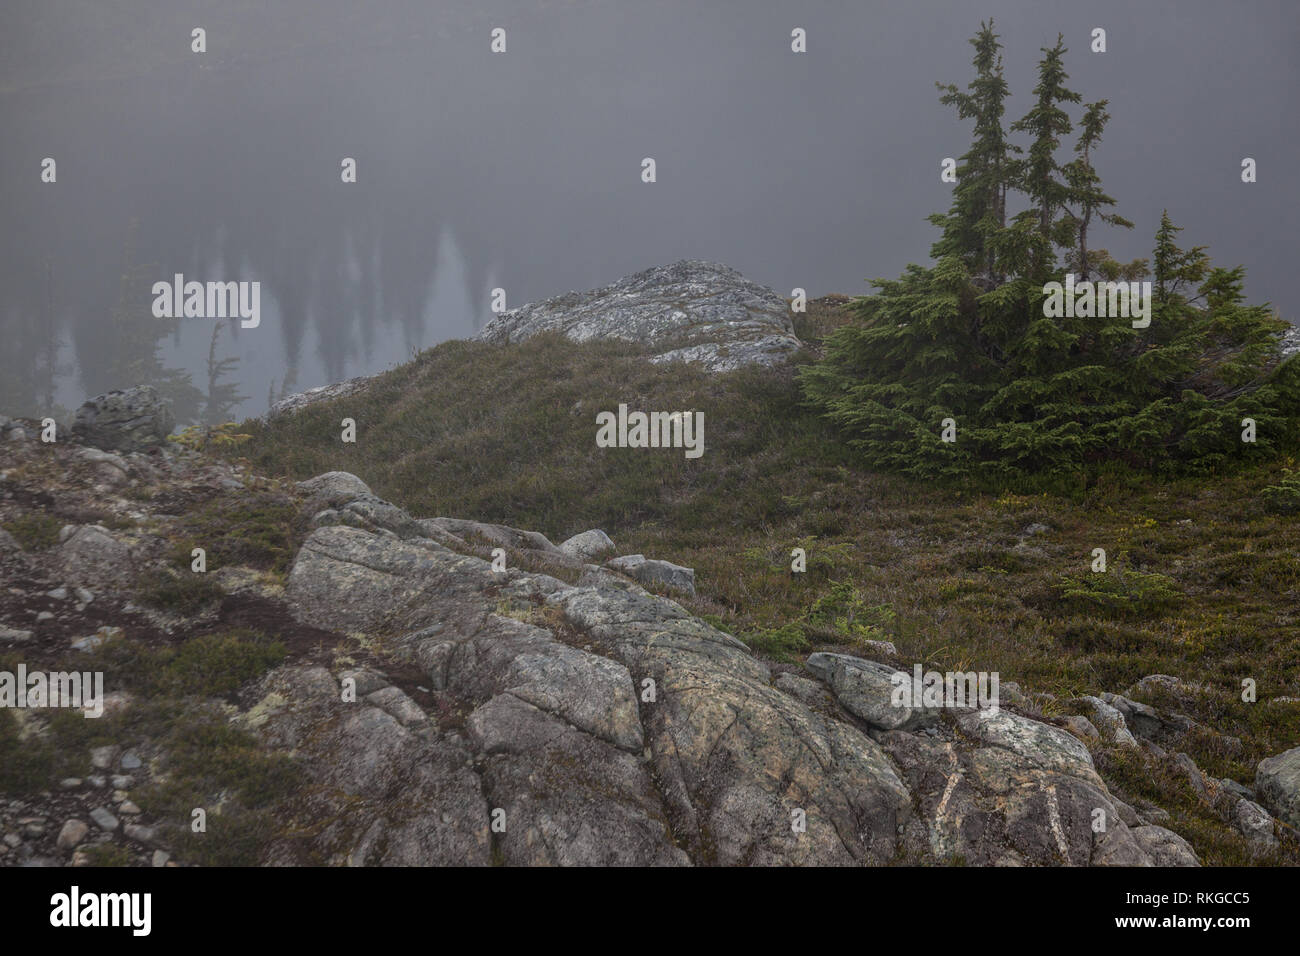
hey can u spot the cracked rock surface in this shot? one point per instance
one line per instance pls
(600, 724)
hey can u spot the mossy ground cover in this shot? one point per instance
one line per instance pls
(1203, 573)
(205, 762)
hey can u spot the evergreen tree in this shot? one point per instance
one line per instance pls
(979, 199)
(1084, 187)
(223, 397)
(1034, 391)
(1041, 176)
(137, 337)
(1175, 269)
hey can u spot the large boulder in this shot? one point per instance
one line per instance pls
(90, 555)
(653, 573)
(588, 545)
(689, 311)
(1277, 784)
(132, 419)
(601, 724)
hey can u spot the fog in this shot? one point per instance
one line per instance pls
(522, 170)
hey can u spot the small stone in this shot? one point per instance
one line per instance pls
(73, 832)
(119, 796)
(104, 819)
(44, 616)
(1254, 823)
(81, 858)
(131, 761)
(34, 829)
(70, 783)
(881, 647)
(85, 596)
(93, 641)
(12, 839)
(122, 781)
(59, 594)
(115, 703)
(12, 635)
(129, 808)
(141, 834)
(160, 858)
(95, 780)
(101, 758)
(588, 545)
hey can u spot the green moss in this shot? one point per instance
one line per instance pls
(35, 531)
(108, 854)
(1118, 592)
(1282, 498)
(784, 643)
(209, 665)
(185, 593)
(221, 663)
(224, 771)
(259, 530)
(26, 766)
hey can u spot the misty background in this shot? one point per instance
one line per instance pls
(522, 170)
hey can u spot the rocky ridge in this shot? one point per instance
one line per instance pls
(557, 711)
(693, 310)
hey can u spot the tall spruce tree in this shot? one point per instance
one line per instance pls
(1041, 176)
(978, 209)
(1084, 188)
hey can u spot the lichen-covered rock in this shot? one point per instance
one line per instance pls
(322, 393)
(601, 724)
(654, 573)
(1108, 721)
(132, 419)
(866, 689)
(349, 579)
(1255, 824)
(1277, 785)
(738, 761)
(90, 555)
(378, 792)
(566, 797)
(1165, 847)
(588, 545)
(691, 310)
(497, 534)
(332, 489)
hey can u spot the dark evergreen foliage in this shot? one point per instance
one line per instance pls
(1030, 389)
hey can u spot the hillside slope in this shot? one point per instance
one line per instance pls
(1201, 572)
